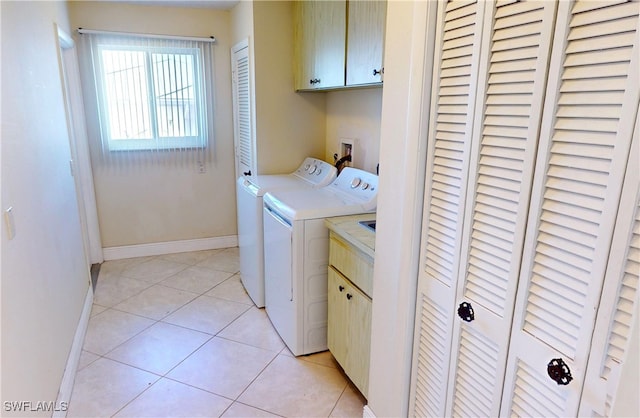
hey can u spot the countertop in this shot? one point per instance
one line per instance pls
(353, 233)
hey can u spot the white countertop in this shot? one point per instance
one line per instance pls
(355, 234)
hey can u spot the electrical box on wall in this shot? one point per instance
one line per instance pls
(345, 152)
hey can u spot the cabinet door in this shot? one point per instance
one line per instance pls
(512, 81)
(351, 336)
(590, 108)
(365, 41)
(337, 316)
(320, 39)
(457, 49)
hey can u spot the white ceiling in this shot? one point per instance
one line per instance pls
(203, 4)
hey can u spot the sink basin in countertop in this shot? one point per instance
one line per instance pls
(369, 225)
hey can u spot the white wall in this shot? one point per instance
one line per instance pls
(355, 114)
(167, 201)
(405, 100)
(44, 275)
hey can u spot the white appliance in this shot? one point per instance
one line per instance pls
(296, 251)
(312, 173)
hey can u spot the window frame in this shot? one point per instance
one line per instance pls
(155, 142)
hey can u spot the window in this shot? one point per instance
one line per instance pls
(151, 93)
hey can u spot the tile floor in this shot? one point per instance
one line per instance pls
(177, 335)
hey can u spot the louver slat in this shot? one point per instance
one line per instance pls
(452, 133)
(455, 80)
(476, 369)
(506, 134)
(244, 111)
(431, 366)
(620, 328)
(516, 129)
(587, 163)
(612, 337)
(585, 144)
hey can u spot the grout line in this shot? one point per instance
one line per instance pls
(248, 308)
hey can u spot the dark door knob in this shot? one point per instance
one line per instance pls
(559, 371)
(465, 311)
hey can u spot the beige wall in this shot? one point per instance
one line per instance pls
(355, 115)
(44, 275)
(289, 126)
(167, 201)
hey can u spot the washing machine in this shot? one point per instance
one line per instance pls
(312, 173)
(296, 254)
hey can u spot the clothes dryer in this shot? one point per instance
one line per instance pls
(296, 254)
(312, 173)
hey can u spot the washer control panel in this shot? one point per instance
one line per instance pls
(316, 171)
(358, 184)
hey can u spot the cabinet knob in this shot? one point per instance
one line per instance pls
(314, 81)
(247, 173)
(465, 311)
(559, 371)
(341, 288)
(349, 296)
(380, 71)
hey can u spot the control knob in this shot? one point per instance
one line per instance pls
(355, 182)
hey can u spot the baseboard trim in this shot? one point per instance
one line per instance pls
(169, 247)
(66, 385)
(367, 412)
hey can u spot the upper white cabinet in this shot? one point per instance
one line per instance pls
(320, 39)
(530, 143)
(365, 42)
(338, 44)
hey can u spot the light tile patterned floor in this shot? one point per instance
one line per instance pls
(177, 335)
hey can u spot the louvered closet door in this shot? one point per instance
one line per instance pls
(457, 53)
(588, 118)
(619, 302)
(506, 129)
(243, 131)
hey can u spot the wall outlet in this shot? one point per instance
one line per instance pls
(201, 167)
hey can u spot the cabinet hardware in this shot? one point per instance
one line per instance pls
(341, 288)
(314, 81)
(380, 71)
(247, 173)
(465, 311)
(349, 296)
(559, 371)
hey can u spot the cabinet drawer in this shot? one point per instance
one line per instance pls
(355, 265)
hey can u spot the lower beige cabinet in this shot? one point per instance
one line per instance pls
(349, 314)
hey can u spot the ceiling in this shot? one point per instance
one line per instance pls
(203, 4)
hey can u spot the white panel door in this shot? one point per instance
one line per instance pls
(619, 302)
(242, 110)
(512, 83)
(457, 49)
(590, 110)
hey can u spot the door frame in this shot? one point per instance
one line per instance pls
(79, 145)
